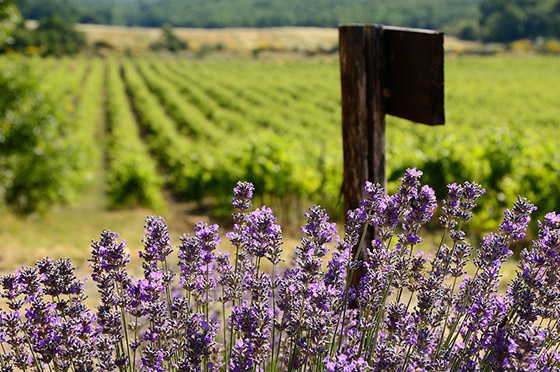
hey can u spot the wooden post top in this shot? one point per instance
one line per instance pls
(413, 71)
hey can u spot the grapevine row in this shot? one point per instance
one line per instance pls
(188, 117)
(259, 97)
(227, 121)
(133, 178)
(258, 116)
(87, 117)
(181, 158)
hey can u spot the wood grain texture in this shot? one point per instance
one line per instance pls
(363, 118)
(414, 74)
(363, 115)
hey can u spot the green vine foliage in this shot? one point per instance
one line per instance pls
(37, 154)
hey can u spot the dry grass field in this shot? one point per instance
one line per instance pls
(138, 39)
(237, 39)
(233, 39)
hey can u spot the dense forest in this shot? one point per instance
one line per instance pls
(488, 20)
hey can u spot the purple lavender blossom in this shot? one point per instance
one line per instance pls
(41, 327)
(549, 237)
(242, 357)
(460, 202)
(244, 318)
(517, 347)
(387, 218)
(494, 248)
(409, 185)
(200, 339)
(373, 196)
(335, 278)
(460, 254)
(484, 311)
(353, 229)
(58, 277)
(422, 206)
(317, 232)
(232, 280)
(516, 220)
(29, 281)
(209, 239)
(157, 242)
(108, 262)
(289, 300)
(344, 364)
(11, 290)
(535, 290)
(11, 333)
(408, 318)
(254, 322)
(194, 268)
(375, 281)
(152, 358)
(261, 236)
(242, 195)
(190, 256)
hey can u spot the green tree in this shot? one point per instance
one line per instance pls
(37, 156)
(508, 20)
(54, 36)
(502, 20)
(170, 41)
(9, 18)
(554, 20)
(58, 37)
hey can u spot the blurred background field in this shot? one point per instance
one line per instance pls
(198, 120)
(165, 120)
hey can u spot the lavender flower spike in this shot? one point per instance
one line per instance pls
(209, 239)
(242, 195)
(261, 236)
(317, 233)
(516, 220)
(410, 183)
(157, 242)
(461, 200)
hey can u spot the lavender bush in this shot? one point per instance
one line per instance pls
(411, 311)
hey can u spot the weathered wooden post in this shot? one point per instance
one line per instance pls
(384, 70)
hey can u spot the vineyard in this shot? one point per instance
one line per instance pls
(194, 128)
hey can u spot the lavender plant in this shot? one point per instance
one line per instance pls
(410, 311)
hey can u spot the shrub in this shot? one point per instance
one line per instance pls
(58, 37)
(54, 36)
(38, 157)
(9, 17)
(409, 311)
(169, 41)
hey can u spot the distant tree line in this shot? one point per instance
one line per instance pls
(254, 13)
(488, 20)
(506, 20)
